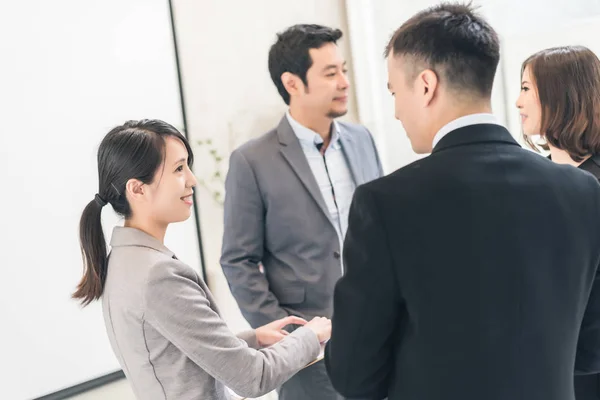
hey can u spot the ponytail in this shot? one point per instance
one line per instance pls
(134, 150)
(94, 253)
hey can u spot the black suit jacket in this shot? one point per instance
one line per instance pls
(592, 165)
(468, 275)
(588, 387)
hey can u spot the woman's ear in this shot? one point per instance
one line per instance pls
(135, 189)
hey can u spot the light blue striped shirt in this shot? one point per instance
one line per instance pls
(333, 162)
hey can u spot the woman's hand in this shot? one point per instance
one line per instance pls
(272, 333)
(321, 326)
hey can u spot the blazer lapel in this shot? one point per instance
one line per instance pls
(351, 155)
(292, 152)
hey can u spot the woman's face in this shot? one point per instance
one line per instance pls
(529, 105)
(169, 197)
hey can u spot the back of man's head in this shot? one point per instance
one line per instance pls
(441, 66)
(455, 42)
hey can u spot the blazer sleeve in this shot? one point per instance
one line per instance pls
(250, 338)
(177, 307)
(376, 153)
(243, 244)
(368, 307)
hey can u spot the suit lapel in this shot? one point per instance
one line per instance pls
(292, 152)
(351, 155)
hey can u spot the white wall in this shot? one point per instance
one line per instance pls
(70, 71)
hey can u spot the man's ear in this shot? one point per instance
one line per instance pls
(292, 83)
(428, 83)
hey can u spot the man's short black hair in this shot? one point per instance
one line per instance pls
(455, 42)
(290, 53)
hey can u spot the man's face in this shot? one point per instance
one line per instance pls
(327, 91)
(408, 101)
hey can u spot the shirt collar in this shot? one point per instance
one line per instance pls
(309, 137)
(467, 120)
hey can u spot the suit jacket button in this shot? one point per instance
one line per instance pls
(336, 254)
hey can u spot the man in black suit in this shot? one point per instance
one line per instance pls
(469, 273)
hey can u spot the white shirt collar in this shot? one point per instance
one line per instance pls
(308, 136)
(467, 120)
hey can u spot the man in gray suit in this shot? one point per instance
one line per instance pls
(288, 195)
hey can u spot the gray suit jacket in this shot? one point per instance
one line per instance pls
(169, 338)
(275, 215)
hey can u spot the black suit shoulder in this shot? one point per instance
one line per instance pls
(383, 184)
(449, 162)
(592, 165)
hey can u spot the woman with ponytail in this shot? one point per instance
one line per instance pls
(161, 319)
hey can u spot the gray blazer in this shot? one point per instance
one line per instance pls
(275, 214)
(169, 338)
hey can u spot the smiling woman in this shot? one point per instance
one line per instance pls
(161, 319)
(559, 101)
(143, 165)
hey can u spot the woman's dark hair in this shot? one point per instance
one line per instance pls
(134, 150)
(568, 85)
